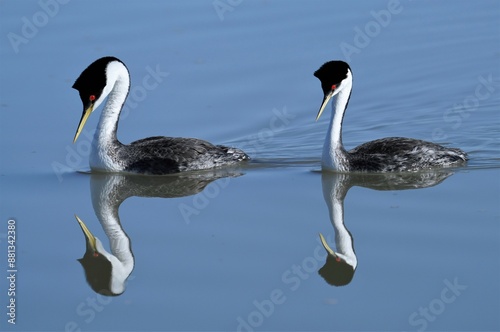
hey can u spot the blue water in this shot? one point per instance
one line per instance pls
(243, 253)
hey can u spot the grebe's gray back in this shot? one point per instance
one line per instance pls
(393, 154)
(109, 77)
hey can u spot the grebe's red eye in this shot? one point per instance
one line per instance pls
(92, 97)
(334, 87)
(337, 258)
(96, 254)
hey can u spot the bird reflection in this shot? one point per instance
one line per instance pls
(106, 272)
(341, 263)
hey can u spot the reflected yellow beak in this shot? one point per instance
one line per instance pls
(326, 99)
(85, 116)
(326, 246)
(90, 236)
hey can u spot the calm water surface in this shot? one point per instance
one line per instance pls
(239, 249)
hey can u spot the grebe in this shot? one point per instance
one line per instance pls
(392, 154)
(153, 155)
(342, 262)
(106, 272)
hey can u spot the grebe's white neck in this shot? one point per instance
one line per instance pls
(105, 142)
(334, 191)
(106, 206)
(335, 157)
